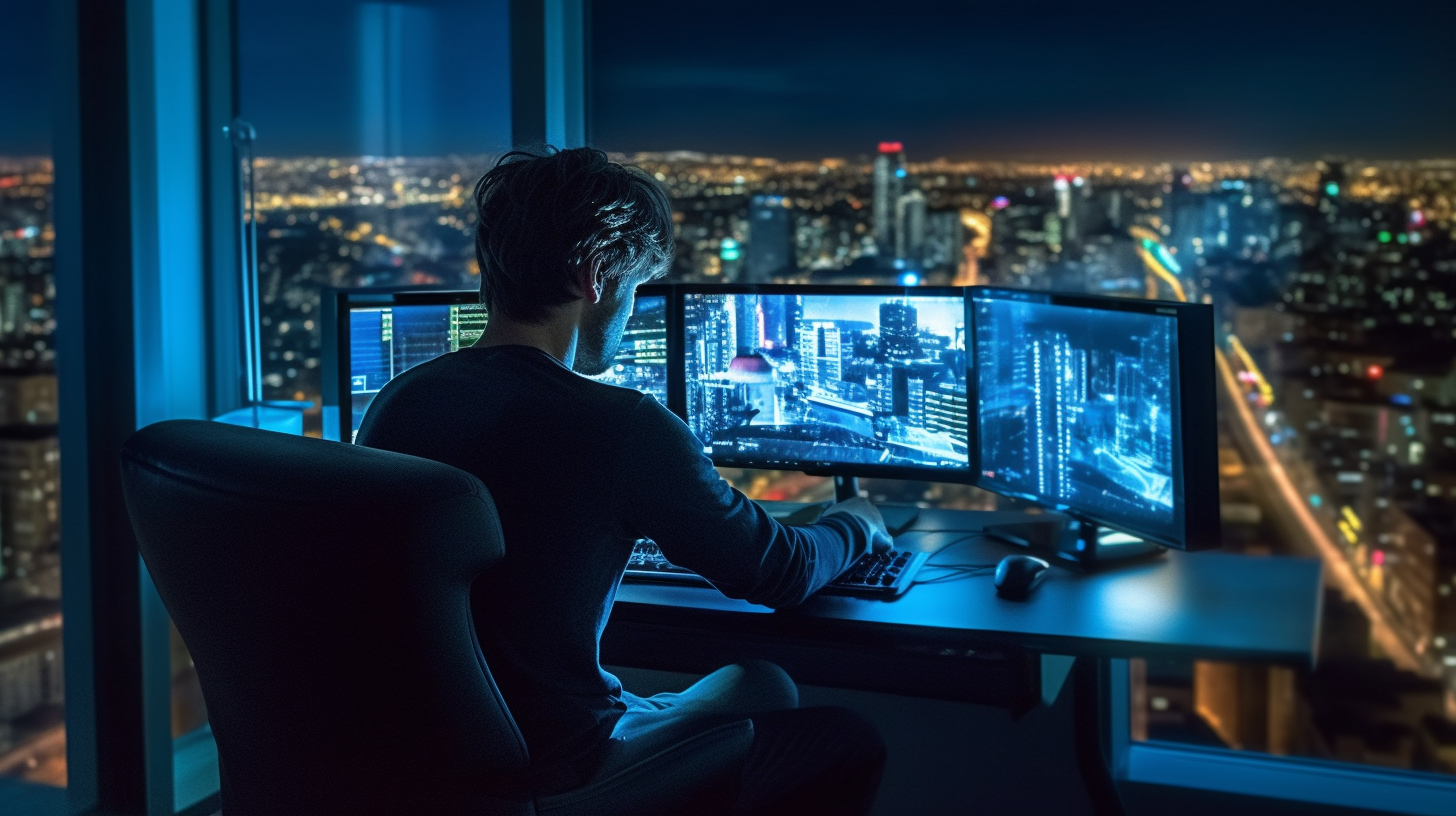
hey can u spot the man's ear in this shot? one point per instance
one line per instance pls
(590, 281)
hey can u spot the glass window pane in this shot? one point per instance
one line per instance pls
(373, 121)
(959, 145)
(32, 688)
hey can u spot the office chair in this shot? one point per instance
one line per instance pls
(323, 590)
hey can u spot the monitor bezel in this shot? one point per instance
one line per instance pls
(677, 372)
(338, 302)
(1196, 502)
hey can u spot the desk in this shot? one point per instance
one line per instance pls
(1180, 605)
(960, 641)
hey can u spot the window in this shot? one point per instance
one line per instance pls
(32, 687)
(940, 145)
(373, 122)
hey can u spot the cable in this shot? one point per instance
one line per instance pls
(970, 535)
(955, 575)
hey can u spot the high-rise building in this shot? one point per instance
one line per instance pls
(883, 403)
(945, 240)
(898, 332)
(1052, 415)
(781, 314)
(915, 401)
(30, 474)
(1331, 179)
(820, 361)
(747, 324)
(889, 184)
(946, 411)
(770, 239)
(910, 228)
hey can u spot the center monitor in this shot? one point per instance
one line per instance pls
(867, 381)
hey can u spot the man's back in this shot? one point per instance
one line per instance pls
(578, 471)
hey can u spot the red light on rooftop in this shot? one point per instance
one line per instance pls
(891, 147)
(1375, 372)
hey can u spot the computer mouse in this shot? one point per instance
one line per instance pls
(1018, 575)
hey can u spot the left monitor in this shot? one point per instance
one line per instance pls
(382, 334)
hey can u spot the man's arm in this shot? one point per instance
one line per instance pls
(668, 491)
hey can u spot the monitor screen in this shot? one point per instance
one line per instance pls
(1076, 409)
(853, 383)
(387, 339)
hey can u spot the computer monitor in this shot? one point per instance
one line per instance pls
(1100, 408)
(379, 334)
(836, 380)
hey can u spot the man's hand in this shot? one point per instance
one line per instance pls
(861, 507)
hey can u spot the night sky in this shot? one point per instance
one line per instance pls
(797, 79)
(1028, 79)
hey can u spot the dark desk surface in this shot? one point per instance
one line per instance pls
(1180, 605)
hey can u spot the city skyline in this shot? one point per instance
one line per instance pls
(1334, 285)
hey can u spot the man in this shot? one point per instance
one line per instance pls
(579, 470)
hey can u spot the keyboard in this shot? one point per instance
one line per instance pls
(875, 575)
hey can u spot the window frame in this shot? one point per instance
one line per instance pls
(1260, 775)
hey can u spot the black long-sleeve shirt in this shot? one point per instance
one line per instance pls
(579, 470)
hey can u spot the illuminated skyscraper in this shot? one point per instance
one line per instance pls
(910, 228)
(883, 403)
(820, 364)
(889, 184)
(1052, 413)
(780, 315)
(945, 410)
(747, 323)
(898, 330)
(915, 398)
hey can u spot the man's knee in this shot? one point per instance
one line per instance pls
(771, 686)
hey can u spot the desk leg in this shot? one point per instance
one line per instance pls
(1089, 734)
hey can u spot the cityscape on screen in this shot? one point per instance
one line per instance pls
(1076, 406)
(843, 379)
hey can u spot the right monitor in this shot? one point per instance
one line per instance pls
(1102, 408)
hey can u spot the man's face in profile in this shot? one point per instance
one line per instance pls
(602, 327)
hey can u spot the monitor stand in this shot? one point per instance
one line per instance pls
(1074, 543)
(898, 517)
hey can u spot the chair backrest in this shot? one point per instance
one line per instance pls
(323, 590)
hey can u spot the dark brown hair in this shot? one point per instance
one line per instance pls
(543, 215)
